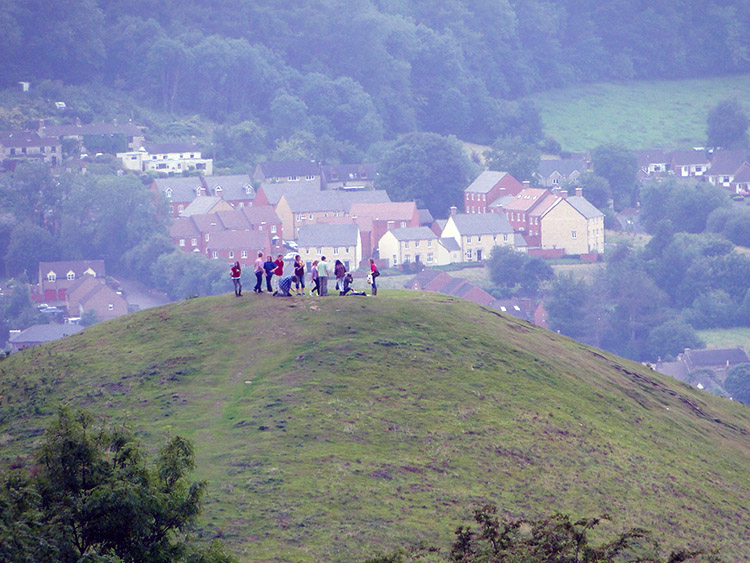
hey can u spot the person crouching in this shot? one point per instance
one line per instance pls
(285, 286)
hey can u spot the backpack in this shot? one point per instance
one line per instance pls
(375, 273)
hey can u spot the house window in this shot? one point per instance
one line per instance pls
(180, 208)
(215, 254)
(416, 244)
(395, 260)
(468, 239)
(403, 224)
(310, 216)
(206, 237)
(168, 193)
(52, 276)
(71, 275)
(193, 242)
(300, 217)
(111, 307)
(294, 178)
(406, 244)
(335, 250)
(231, 253)
(505, 238)
(273, 228)
(346, 250)
(429, 244)
(429, 258)
(320, 251)
(182, 242)
(309, 177)
(307, 251)
(479, 239)
(573, 234)
(242, 204)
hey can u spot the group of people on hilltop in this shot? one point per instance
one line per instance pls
(321, 271)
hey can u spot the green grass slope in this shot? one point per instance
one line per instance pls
(332, 428)
(669, 114)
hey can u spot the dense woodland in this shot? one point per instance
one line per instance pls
(351, 73)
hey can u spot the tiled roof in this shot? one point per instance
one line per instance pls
(327, 235)
(61, 268)
(201, 205)
(414, 233)
(425, 217)
(232, 187)
(584, 207)
(332, 200)
(726, 162)
(348, 172)
(482, 224)
(686, 158)
(565, 167)
(450, 244)
(526, 199)
(44, 333)
(718, 357)
(183, 190)
(183, 227)
(22, 139)
(654, 156)
(485, 181)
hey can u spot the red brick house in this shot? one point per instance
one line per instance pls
(90, 294)
(237, 246)
(488, 187)
(55, 278)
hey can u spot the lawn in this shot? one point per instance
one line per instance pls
(669, 114)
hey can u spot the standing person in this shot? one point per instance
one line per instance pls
(324, 270)
(374, 273)
(236, 273)
(315, 279)
(279, 271)
(299, 273)
(269, 266)
(339, 271)
(259, 273)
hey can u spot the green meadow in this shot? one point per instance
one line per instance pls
(668, 114)
(331, 429)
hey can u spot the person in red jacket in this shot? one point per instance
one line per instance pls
(279, 271)
(236, 273)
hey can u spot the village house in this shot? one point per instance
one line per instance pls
(524, 212)
(206, 204)
(413, 244)
(55, 278)
(92, 295)
(741, 181)
(375, 219)
(335, 242)
(724, 166)
(688, 164)
(236, 190)
(486, 188)
(300, 171)
(23, 145)
(236, 246)
(553, 173)
(572, 224)
(178, 192)
(297, 209)
(476, 235)
(166, 158)
(40, 334)
(270, 194)
(718, 361)
(348, 176)
(131, 134)
(652, 162)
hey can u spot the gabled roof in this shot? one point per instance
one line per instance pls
(653, 156)
(274, 191)
(209, 222)
(584, 207)
(325, 234)
(414, 233)
(565, 167)
(481, 223)
(726, 162)
(686, 158)
(183, 227)
(348, 172)
(743, 174)
(182, 190)
(286, 169)
(201, 205)
(79, 267)
(425, 217)
(526, 199)
(20, 139)
(424, 277)
(232, 187)
(450, 244)
(259, 214)
(229, 240)
(718, 357)
(44, 333)
(485, 181)
(544, 205)
(385, 211)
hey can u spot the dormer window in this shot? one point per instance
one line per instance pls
(248, 190)
(168, 193)
(71, 275)
(89, 272)
(51, 277)
(219, 189)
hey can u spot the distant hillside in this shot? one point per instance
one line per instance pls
(669, 114)
(329, 429)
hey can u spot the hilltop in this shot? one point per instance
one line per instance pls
(332, 428)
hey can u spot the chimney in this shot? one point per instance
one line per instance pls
(563, 194)
(454, 209)
(579, 192)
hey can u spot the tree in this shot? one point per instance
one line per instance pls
(429, 168)
(29, 244)
(186, 274)
(93, 496)
(505, 265)
(512, 155)
(737, 383)
(566, 306)
(727, 125)
(596, 190)
(618, 166)
(672, 337)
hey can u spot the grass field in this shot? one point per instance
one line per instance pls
(329, 429)
(640, 114)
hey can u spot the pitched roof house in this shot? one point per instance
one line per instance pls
(132, 134)
(477, 234)
(56, 277)
(335, 242)
(206, 204)
(236, 246)
(551, 173)
(93, 294)
(18, 145)
(412, 244)
(237, 190)
(179, 192)
(724, 166)
(572, 224)
(486, 188)
(524, 211)
(270, 194)
(287, 171)
(688, 164)
(39, 334)
(348, 176)
(375, 219)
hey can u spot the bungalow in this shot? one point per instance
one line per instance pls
(724, 166)
(688, 164)
(39, 334)
(476, 235)
(166, 158)
(741, 181)
(335, 242)
(652, 162)
(486, 188)
(412, 244)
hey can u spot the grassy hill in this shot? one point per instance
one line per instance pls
(329, 428)
(669, 114)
